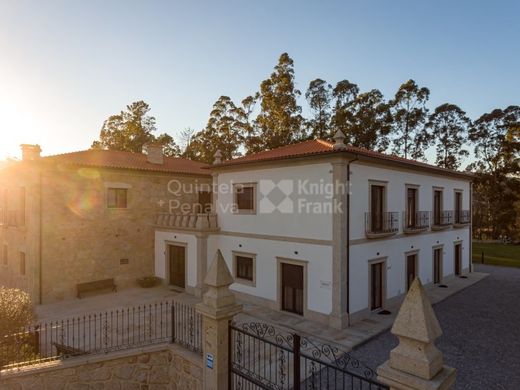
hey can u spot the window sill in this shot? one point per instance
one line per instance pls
(460, 225)
(245, 282)
(441, 227)
(380, 235)
(415, 230)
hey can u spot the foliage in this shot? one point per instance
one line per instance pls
(16, 310)
(221, 133)
(131, 129)
(319, 95)
(449, 126)
(344, 94)
(279, 122)
(409, 115)
(496, 254)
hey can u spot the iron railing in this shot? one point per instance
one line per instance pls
(381, 223)
(462, 217)
(442, 218)
(262, 357)
(418, 220)
(155, 323)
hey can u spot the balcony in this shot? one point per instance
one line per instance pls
(462, 218)
(416, 222)
(195, 222)
(381, 224)
(442, 219)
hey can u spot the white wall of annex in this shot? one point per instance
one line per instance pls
(318, 258)
(307, 220)
(394, 251)
(397, 180)
(162, 239)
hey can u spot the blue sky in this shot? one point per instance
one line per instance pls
(67, 65)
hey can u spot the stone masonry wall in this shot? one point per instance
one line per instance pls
(157, 368)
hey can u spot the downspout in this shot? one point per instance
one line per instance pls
(348, 238)
(40, 298)
(470, 226)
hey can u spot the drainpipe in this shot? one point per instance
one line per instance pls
(348, 237)
(40, 287)
(471, 227)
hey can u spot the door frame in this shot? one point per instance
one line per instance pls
(406, 254)
(168, 244)
(441, 270)
(302, 263)
(382, 260)
(455, 244)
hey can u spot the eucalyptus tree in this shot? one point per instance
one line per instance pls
(319, 96)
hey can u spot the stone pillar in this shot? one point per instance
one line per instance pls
(217, 308)
(339, 318)
(416, 363)
(202, 262)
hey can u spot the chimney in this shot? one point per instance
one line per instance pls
(339, 141)
(30, 152)
(154, 154)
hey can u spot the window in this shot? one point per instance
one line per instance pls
(22, 263)
(458, 206)
(124, 261)
(437, 207)
(411, 207)
(244, 266)
(4, 255)
(117, 198)
(437, 265)
(245, 198)
(205, 202)
(377, 194)
(21, 211)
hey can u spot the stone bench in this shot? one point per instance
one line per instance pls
(96, 285)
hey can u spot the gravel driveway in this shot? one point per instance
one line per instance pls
(481, 326)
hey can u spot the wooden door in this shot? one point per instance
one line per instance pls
(376, 271)
(205, 201)
(177, 266)
(411, 207)
(411, 270)
(437, 207)
(458, 258)
(376, 208)
(437, 259)
(292, 288)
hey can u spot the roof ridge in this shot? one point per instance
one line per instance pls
(323, 142)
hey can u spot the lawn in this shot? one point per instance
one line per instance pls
(497, 254)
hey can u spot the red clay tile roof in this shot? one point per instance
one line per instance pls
(128, 160)
(320, 147)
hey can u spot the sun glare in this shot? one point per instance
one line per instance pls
(18, 127)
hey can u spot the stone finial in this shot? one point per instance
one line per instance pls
(339, 141)
(218, 280)
(217, 157)
(416, 363)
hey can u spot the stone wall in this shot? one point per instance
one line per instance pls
(154, 368)
(81, 239)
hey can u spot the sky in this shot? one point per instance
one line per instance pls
(65, 66)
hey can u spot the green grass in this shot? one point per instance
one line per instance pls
(497, 254)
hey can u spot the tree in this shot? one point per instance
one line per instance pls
(409, 115)
(496, 137)
(279, 122)
(344, 94)
(449, 125)
(221, 133)
(131, 129)
(16, 310)
(247, 126)
(367, 121)
(319, 95)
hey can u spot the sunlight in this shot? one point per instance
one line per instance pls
(18, 127)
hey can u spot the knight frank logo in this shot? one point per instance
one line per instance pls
(276, 196)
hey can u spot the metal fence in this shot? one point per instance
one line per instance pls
(262, 357)
(155, 323)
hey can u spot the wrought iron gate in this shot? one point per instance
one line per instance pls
(262, 357)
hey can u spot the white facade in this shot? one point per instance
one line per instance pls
(303, 235)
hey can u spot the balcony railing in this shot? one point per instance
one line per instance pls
(417, 221)
(187, 221)
(442, 219)
(462, 217)
(381, 224)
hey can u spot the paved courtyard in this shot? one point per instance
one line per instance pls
(481, 326)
